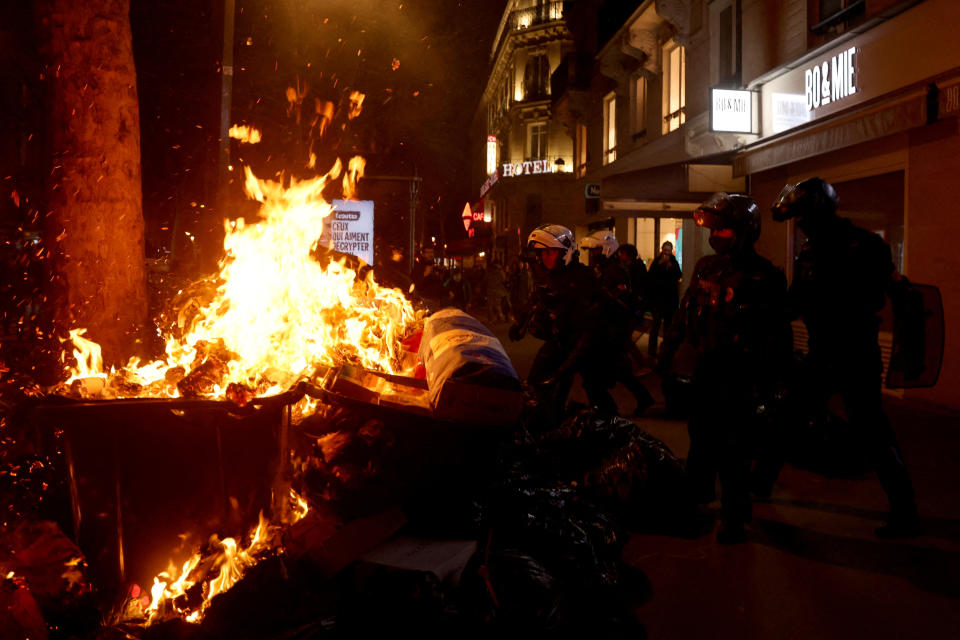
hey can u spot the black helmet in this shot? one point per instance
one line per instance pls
(731, 211)
(812, 196)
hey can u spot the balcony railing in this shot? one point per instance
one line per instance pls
(533, 16)
(525, 19)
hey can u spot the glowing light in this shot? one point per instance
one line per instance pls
(245, 134)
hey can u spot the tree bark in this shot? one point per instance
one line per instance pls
(94, 227)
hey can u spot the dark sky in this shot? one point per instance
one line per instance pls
(421, 64)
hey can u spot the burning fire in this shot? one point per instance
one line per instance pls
(278, 312)
(244, 133)
(187, 593)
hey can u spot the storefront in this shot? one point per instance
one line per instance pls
(876, 115)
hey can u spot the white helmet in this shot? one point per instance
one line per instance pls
(605, 240)
(552, 236)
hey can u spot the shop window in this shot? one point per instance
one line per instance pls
(581, 143)
(537, 141)
(674, 86)
(536, 78)
(609, 128)
(639, 99)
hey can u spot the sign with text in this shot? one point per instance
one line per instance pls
(592, 190)
(527, 168)
(350, 228)
(731, 111)
(831, 80)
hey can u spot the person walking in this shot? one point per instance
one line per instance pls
(663, 280)
(734, 318)
(842, 277)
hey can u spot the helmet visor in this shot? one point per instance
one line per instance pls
(781, 206)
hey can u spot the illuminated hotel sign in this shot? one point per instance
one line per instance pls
(831, 80)
(731, 111)
(528, 168)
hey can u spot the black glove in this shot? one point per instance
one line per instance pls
(517, 331)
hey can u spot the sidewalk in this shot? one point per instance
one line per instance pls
(812, 567)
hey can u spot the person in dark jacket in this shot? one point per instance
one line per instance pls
(733, 317)
(842, 277)
(663, 294)
(565, 313)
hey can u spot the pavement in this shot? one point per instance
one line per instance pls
(812, 567)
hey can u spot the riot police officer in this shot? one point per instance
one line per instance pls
(618, 303)
(841, 277)
(733, 319)
(564, 314)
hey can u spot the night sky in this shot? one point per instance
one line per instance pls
(421, 64)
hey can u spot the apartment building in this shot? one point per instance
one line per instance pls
(522, 156)
(866, 94)
(635, 97)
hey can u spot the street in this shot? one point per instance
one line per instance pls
(812, 567)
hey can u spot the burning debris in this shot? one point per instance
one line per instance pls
(277, 313)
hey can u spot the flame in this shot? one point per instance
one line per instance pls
(246, 134)
(354, 172)
(278, 313)
(356, 104)
(227, 564)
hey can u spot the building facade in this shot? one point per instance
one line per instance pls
(865, 94)
(522, 156)
(635, 98)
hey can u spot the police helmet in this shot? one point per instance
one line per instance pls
(603, 240)
(812, 196)
(552, 236)
(731, 211)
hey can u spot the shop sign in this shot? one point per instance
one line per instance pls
(350, 229)
(831, 80)
(530, 167)
(731, 111)
(592, 190)
(492, 180)
(789, 111)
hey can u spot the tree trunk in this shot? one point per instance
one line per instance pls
(94, 227)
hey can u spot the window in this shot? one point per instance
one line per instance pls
(537, 141)
(491, 154)
(536, 78)
(639, 106)
(609, 128)
(834, 15)
(727, 55)
(580, 168)
(674, 86)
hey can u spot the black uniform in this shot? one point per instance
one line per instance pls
(840, 285)
(734, 318)
(618, 306)
(566, 314)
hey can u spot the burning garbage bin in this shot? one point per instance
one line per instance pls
(151, 478)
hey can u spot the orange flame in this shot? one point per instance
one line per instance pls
(278, 313)
(354, 172)
(246, 134)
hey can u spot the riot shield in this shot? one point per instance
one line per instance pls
(918, 336)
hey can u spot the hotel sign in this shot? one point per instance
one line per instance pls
(831, 80)
(528, 168)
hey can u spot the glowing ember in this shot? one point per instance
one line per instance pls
(244, 133)
(278, 312)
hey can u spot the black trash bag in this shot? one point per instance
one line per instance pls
(632, 473)
(509, 593)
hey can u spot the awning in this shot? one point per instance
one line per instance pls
(688, 181)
